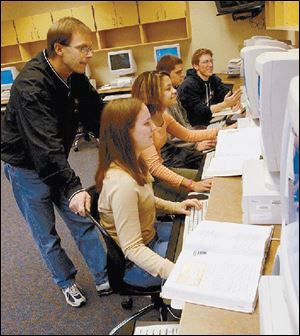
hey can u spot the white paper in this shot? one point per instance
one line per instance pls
(243, 142)
(224, 166)
(220, 266)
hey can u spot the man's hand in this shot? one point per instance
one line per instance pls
(80, 202)
(206, 145)
(233, 99)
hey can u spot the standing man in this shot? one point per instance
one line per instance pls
(178, 153)
(48, 99)
(202, 93)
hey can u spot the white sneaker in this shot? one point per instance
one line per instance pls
(104, 289)
(74, 296)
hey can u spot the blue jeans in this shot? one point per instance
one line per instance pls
(36, 204)
(136, 276)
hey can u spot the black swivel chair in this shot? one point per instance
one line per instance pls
(83, 134)
(116, 269)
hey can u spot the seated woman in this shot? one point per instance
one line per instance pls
(156, 91)
(127, 205)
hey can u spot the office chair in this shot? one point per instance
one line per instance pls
(116, 270)
(83, 134)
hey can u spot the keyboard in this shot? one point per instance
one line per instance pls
(116, 96)
(208, 158)
(217, 125)
(193, 220)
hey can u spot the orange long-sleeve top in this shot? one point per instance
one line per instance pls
(152, 154)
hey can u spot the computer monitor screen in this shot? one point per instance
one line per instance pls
(275, 71)
(249, 55)
(289, 180)
(8, 75)
(171, 49)
(121, 62)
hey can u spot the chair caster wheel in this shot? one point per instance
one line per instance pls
(127, 304)
(76, 149)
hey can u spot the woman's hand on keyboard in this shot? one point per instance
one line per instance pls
(203, 185)
(187, 204)
(231, 126)
(206, 145)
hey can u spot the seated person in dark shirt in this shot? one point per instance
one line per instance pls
(202, 93)
(178, 153)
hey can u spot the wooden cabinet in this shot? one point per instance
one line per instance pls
(115, 25)
(8, 33)
(33, 28)
(152, 11)
(126, 13)
(85, 15)
(115, 14)
(41, 23)
(56, 15)
(164, 21)
(282, 15)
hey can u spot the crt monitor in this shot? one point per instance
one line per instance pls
(171, 49)
(8, 75)
(248, 55)
(275, 71)
(289, 180)
(251, 41)
(121, 62)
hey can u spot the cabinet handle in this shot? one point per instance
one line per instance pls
(114, 21)
(120, 21)
(31, 36)
(157, 15)
(165, 14)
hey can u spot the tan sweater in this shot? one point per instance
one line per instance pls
(127, 211)
(152, 154)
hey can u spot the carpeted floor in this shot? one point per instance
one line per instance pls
(31, 304)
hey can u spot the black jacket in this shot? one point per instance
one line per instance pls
(41, 120)
(196, 96)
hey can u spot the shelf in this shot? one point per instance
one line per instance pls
(31, 49)
(10, 54)
(165, 30)
(119, 37)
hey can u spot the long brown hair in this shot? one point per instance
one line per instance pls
(116, 143)
(148, 88)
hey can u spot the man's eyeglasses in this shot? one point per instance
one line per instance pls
(207, 62)
(83, 49)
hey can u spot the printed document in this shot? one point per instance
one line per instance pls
(220, 266)
(234, 146)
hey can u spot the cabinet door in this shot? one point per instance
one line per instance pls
(85, 15)
(126, 13)
(8, 33)
(25, 29)
(56, 15)
(105, 16)
(150, 11)
(173, 9)
(42, 23)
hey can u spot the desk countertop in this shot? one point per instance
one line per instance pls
(225, 205)
(114, 90)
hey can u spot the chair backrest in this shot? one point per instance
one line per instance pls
(116, 261)
(115, 256)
